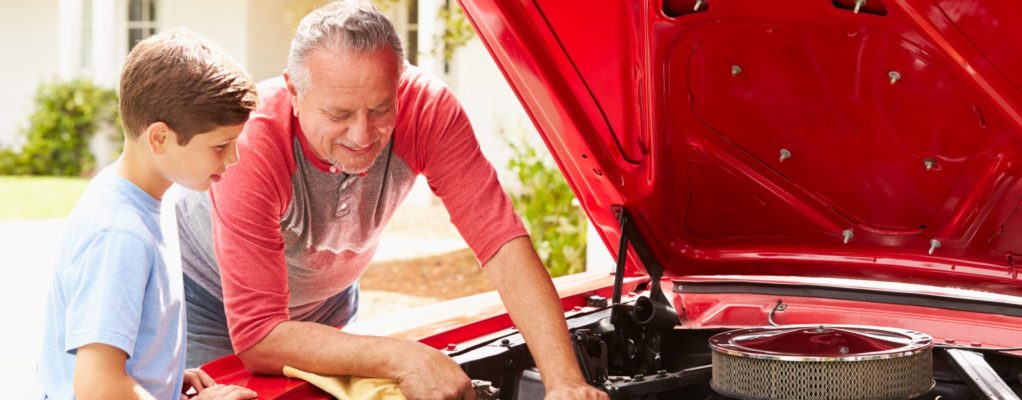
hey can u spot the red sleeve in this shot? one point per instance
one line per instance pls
(247, 205)
(450, 159)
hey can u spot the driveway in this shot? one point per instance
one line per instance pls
(29, 252)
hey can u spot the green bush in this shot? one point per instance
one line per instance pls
(457, 30)
(551, 212)
(56, 142)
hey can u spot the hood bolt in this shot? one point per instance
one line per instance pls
(735, 70)
(934, 245)
(699, 4)
(930, 164)
(785, 154)
(895, 77)
(847, 234)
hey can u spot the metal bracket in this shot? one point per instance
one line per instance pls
(485, 390)
(591, 353)
(983, 380)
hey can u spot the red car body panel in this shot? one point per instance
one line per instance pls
(645, 110)
(774, 142)
(444, 326)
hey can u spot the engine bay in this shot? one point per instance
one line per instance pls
(634, 358)
(642, 348)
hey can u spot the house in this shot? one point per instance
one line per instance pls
(46, 39)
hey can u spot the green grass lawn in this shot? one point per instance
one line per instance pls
(30, 197)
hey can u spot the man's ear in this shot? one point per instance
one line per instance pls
(158, 136)
(292, 93)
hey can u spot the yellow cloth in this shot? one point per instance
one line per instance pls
(350, 387)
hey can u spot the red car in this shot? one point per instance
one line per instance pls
(813, 199)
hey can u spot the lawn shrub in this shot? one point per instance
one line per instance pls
(65, 117)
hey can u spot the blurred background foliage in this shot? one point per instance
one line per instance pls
(67, 114)
(550, 210)
(65, 117)
(457, 30)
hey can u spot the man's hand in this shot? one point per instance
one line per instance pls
(576, 391)
(420, 371)
(428, 374)
(206, 388)
(196, 379)
(529, 295)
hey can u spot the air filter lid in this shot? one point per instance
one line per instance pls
(821, 343)
(822, 362)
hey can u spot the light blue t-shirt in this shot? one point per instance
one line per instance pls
(112, 285)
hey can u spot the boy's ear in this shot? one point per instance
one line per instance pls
(292, 93)
(158, 136)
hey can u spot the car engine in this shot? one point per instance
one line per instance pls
(633, 350)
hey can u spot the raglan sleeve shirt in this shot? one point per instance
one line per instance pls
(433, 136)
(448, 155)
(246, 207)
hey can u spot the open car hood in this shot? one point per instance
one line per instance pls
(783, 138)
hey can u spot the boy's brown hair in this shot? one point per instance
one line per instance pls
(183, 80)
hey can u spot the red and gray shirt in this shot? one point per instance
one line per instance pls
(289, 232)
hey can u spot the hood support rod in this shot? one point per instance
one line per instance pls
(629, 234)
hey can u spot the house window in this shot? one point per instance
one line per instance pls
(141, 21)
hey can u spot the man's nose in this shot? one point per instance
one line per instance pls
(359, 133)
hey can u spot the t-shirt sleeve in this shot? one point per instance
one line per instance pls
(105, 289)
(463, 178)
(246, 207)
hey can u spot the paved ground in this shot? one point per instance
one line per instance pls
(28, 249)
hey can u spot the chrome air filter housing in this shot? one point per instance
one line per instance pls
(822, 362)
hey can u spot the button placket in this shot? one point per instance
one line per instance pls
(344, 197)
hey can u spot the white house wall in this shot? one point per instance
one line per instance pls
(223, 21)
(255, 33)
(269, 38)
(29, 54)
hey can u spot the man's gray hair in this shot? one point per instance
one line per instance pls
(348, 25)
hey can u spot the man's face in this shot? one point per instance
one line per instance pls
(201, 162)
(349, 110)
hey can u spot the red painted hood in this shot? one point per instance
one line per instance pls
(749, 136)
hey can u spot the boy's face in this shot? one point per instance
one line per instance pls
(201, 162)
(349, 110)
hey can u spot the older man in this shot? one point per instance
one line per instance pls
(326, 158)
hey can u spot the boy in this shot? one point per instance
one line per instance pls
(115, 323)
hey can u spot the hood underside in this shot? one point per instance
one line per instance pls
(783, 138)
